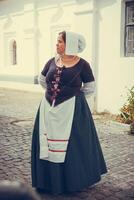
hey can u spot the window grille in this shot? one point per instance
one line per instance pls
(129, 29)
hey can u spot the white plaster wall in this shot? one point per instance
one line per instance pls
(84, 24)
(1, 44)
(115, 71)
(35, 27)
(22, 24)
(18, 28)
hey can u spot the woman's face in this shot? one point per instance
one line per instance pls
(60, 46)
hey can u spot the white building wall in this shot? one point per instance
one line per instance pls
(17, 22)
(115, 71)
(35, 24)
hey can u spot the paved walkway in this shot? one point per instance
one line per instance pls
(17, 113)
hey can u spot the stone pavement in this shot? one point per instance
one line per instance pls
(17, 114)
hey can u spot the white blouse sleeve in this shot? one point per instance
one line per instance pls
(42, 81)
(88, 88)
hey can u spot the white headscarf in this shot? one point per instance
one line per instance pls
(75, 43)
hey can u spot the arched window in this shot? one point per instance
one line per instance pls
(13, 52)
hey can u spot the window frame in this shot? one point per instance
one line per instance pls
(127, 27)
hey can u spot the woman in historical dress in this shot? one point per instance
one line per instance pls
(66, 153)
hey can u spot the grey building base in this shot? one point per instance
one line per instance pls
(20, 79)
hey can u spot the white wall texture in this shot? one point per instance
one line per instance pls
(34, 25)
(115, 71)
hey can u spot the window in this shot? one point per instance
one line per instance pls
(13, 53)
(129, 29)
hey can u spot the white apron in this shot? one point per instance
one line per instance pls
(55, 125)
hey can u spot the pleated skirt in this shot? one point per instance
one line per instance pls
(84, 162)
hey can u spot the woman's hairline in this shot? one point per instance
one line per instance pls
(63, 33)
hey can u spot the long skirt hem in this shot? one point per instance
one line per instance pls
(48, 190)
(84, 162)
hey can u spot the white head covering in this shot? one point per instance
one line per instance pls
(75, 43)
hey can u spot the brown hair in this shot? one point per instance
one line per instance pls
(63, 33)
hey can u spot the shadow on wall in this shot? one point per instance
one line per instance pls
(105, 3)
(82, 1)
(12, 6)
(15, 6)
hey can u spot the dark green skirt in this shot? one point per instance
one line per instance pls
(84, 163)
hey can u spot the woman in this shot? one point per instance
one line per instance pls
(66, 153)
